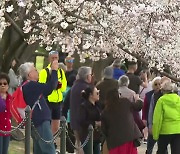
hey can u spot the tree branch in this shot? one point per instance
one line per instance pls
(146, 62)
(72, 14)
(17, 28)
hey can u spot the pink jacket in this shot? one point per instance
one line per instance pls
(5, 117)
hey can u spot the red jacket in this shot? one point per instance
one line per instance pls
(5, 117)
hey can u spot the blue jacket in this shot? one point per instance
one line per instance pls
(117, 73)
(31, 92)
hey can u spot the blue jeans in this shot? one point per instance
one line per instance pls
(96, 148)
(4, 144)
(40, 147)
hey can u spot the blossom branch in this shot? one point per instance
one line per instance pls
(17, 28)
(146, 62)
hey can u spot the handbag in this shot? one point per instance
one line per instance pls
(137, 142)
(138, 121)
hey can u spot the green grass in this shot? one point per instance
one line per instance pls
(39, 63)
(17, 147)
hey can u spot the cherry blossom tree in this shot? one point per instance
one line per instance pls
(142, 29)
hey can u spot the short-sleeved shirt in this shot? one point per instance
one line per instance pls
(134, 82)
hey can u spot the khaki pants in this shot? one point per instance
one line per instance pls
(105, 149)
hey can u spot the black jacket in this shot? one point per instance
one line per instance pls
(89, 114)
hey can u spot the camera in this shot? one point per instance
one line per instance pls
(59, 85)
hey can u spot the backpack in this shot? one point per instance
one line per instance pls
(18, 105)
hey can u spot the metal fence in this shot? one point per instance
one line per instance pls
(62, 133)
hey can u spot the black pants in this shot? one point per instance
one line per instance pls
(173, 140)
(150, 144)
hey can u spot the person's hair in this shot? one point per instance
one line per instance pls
(4, 76)
(53, 52)
(69, 57)
(112, 98)
(168, 87)
(147, 71)
(87, 92)
(117, 63)
(156, 78)
(175, 89)
(83, 72)
(123, 81)
(131, 64)
(25, 69)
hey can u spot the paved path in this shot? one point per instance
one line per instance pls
(142, 149)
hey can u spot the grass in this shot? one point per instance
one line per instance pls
(39, 62)
(17, 147)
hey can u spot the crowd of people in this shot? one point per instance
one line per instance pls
(124, 108)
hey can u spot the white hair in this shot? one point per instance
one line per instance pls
(168, 87)
(123, 81)
(156, 78)
(83, 72)
(25, 69)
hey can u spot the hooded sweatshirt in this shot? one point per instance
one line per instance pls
(166, 118)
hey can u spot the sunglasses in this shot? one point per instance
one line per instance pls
(70, 61)
(53, 53)
(3, 83)
(157, 84)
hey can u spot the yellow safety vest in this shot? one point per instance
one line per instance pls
(56, 96)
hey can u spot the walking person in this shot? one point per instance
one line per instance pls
(166, 120)
(14, 82)
(106, 84)
(41, 115)
(5, 115)
(90, 114)
(154, 98)
(121, 134)
(156, 86)
(134, 84)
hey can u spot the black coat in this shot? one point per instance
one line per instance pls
(75, 102)
(89, 114)
(118, 123)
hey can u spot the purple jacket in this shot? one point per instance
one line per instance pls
(75, 102)
(2, 105)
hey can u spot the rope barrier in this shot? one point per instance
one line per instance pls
(82, 145)
(57, 134)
